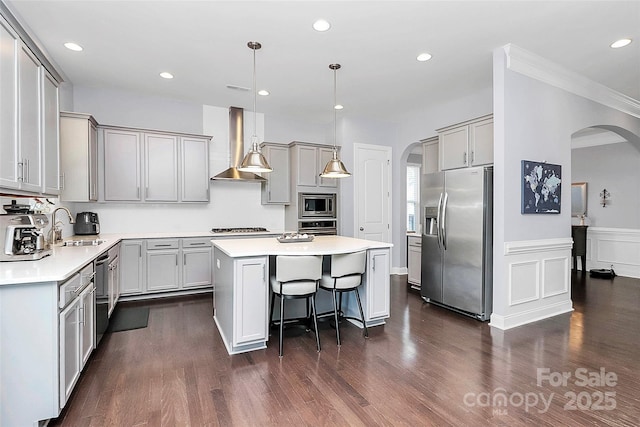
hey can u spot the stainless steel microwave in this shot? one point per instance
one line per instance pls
(316, 205)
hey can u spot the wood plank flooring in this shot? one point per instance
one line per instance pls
(426, 366)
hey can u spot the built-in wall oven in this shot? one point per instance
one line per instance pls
(318, 226)
(311, 205)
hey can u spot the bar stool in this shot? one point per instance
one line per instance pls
(296, 276)
(345, 276)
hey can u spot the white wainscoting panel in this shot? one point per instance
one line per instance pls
(539, 276)
(617, 247)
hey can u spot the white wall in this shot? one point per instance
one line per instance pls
(534, 119)
(616, 168)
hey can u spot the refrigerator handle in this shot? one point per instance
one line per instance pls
(438, 233)
(444, 221)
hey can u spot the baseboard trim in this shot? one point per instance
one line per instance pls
(529, 316)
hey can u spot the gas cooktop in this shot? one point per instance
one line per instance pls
(239, 230)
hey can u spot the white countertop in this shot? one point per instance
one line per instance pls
(321, 245)
(66, 260)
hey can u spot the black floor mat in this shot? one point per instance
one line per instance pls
(127, 318)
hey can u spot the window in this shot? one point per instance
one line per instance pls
(413, 197)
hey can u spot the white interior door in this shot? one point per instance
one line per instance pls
(372, 175)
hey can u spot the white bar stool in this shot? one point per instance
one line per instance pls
(297, 276)
(345, 276)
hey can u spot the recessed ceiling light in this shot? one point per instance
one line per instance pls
(166, 75)
(338, 107)
(263, 92)
(321, 25)
(423, 57)
(73, 46)
(620, 43)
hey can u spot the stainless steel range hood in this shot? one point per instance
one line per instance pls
(236, 151)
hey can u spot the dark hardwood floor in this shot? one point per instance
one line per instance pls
(426, 366)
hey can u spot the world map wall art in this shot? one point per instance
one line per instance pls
(541, 187)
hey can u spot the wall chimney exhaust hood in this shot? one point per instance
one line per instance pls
(236, 151)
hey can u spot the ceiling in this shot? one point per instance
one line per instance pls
(204, 45)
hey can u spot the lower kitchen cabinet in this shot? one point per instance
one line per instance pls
(377, 298)
(196, 263)
(251, 291)
(164, 265)
(414, 261)
(131, 267)
(77, 329)
(163, 271)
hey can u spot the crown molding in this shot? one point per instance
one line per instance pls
(539, 68)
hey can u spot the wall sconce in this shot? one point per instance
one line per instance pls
(604, 195)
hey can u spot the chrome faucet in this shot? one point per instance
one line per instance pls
(56, 232)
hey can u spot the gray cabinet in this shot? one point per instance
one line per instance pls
(78, 157)
(196, 263)
(160, 168)
(276, 190)
(162, 268)
(122, 165)
(156, 167)
(131, 267)
(50, 135)
(28, 119)
(414, 261)
(9, 152)
(307, 162)
(195, 169)
(250, 294)
(430, 156)
(466, 144)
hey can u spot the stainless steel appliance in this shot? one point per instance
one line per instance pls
(316, 205)
(22, 237)
(318, 226)
(86, 223)
(457, 240)
(102, 296)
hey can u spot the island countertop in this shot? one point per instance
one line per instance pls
(321, 245)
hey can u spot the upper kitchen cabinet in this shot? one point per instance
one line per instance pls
(161, 168)
(78, 157)
(430, 156)
(276, 189)
(29, 162)
(122, 165)
(195, 169)
(307, 162)
(466, 144)
(50, 134)
(154, 166)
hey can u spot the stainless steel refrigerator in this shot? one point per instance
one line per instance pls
(457, 240)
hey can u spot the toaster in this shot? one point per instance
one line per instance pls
(86, 223)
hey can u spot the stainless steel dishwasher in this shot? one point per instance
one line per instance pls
(102, 296)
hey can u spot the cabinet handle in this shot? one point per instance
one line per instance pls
(139, 251)
(197, 244)
(82, 316)
(138, 192)
(473, 157)
(20, 176)
(373, 267)
(184, 259)
(465, 158)
(162, 246)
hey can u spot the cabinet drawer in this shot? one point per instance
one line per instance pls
(415, 241)
(69, 290)
(196, 243)
(86, 275)
(163, 244)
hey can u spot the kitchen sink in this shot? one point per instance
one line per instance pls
(84, 242)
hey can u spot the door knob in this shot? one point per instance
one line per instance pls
(361, 228)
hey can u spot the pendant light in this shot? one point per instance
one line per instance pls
(335, 168)
(254, 161)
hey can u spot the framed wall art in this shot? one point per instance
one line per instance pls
(541, 187)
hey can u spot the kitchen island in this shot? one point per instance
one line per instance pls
(241, 284)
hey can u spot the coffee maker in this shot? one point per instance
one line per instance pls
(22, 237)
